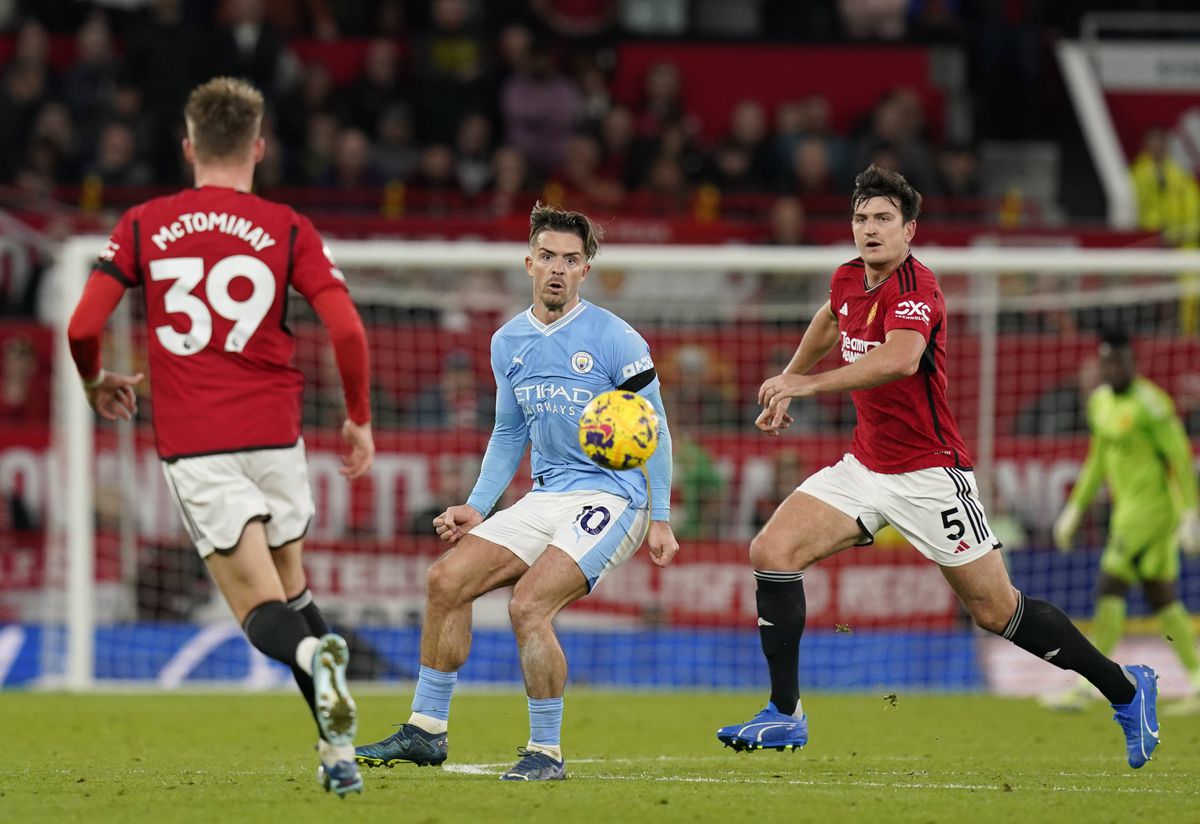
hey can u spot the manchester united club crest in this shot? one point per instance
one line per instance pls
(582, 362)
(871, 314)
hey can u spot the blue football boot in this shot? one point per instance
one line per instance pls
(535, 766)
(409, 743)
(769, 730)
(1139, 718)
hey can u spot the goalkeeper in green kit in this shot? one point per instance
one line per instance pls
(1140, 449)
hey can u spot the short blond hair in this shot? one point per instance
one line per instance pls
(223, 117)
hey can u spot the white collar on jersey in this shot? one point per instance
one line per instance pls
(550, 328)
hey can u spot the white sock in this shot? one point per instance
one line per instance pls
(799, 713)
(333, 753)
(552, 750)
(434, 726)
(305, 651)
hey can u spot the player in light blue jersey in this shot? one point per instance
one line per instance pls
(578, 521)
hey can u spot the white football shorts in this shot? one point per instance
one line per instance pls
(217, 495)
(937, 510)
(598, 530)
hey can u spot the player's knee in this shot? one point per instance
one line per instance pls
(525, 612)
(991, 615)
(442, 586)
(770, 551)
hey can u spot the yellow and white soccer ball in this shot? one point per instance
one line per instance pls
(618, 430)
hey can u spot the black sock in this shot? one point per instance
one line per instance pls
(276, 631)
(781, 610)
(1045, 630)
(304, 604)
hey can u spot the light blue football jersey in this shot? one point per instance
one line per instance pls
(548, 373)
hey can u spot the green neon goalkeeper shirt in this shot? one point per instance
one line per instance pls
(1140, 449)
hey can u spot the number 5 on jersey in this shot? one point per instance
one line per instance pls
(187, 272)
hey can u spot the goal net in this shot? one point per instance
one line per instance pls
(111, 592)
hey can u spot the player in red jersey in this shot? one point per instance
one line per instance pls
(214, 264)
(907, 467)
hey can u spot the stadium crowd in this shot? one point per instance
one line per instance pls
(497, 97)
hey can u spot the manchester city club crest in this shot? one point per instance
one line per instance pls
(582, 362)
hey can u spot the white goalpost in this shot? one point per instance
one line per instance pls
(1023, 319)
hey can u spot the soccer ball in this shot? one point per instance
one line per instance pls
(618, 430)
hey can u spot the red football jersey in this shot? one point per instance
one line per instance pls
(215, 265)
(906, 424)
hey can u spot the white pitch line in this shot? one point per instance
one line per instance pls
(825, 781)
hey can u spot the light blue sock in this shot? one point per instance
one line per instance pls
(434, 691)
(545, 721)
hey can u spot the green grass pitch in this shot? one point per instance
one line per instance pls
(221, 758)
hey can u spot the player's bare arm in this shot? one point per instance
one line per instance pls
(663, 545)
(898, 357)
(819, 339)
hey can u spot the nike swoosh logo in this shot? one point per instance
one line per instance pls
(763, 623)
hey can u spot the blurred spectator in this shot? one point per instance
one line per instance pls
(165, 58)
(958, 171)
(449, 59)
(667, 183)
(820, 167)
(675, 143)
(743, 160)
(116, 161)
(511, 180)
(812, 168)
(351, 169)
(594, 95)
(27, 83)
(435, 170)
(661, 101)
(473, 159)
(580, 172)
(316, 156)
(897, 123)
(459, 399)
(616, 142)
(1168, 198)
(313, 94)
(1061, 410)
(789, 223)
(395, 153)
(1168, 202)
(541, 107)
(377, 89)
(90, 84)
(24, 383)
(53, 145)
(247, 45)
